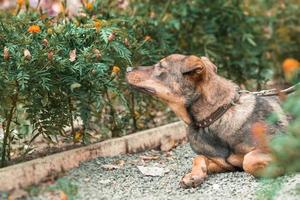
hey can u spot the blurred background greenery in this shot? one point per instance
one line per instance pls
(63, 63)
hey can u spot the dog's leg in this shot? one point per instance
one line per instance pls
(256, 161)
(202, 166)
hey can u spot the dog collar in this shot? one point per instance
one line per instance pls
(222, 110)
(217, 114)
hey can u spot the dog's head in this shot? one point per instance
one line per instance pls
(175, 79)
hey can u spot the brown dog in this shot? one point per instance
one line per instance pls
(219, 118)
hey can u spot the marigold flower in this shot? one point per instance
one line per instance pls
(89, 6)
(258, 131)
(115, 69)
(147, 38)
(63, 195)
(289, 65)
(20, 2)
(78, 136)
(34, 29)
(98, 24)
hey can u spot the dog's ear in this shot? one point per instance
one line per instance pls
(193, 64)
(209, 64)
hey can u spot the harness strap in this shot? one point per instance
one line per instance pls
(217, 114)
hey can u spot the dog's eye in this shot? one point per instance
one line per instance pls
(162, 75)
(187, 73)
(160, 66)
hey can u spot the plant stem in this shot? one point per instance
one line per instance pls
(165, 10)
(38, 4)
(7, 130)
(112, 113)
(132, 110)
(71, 117)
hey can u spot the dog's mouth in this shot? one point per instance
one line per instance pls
(146, 90)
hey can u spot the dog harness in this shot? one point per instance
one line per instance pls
(223, 109)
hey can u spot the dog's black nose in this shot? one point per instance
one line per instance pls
(129, 69)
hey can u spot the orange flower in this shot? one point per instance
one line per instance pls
(63, 195)
(20, 2)
(34, 29)
(89, 6)
(289, 66)
(98, 24)
(78, 136)
(147, 38)
(258, 131)
(115, 69)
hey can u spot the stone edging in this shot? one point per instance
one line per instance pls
(34, 171)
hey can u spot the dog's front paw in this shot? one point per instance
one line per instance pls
(192, 180)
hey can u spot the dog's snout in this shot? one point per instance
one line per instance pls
(129, 69)
(142, 68)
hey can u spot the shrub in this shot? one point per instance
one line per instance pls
(54, 71)
(286, 146)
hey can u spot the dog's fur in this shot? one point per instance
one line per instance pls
(192, 88)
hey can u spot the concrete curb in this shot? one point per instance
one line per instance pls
(34, 171)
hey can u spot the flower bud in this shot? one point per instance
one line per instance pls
(97, 53)
(72, 55)
(126, 42)
(27, 54)
(49, 31)
(50, 55)
(45, 42)
(6, 53)
(111, 37)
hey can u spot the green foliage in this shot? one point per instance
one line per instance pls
(221, 30)
(268, 188)
(65, 72)
(65, 185)
(286, 147)
(63, 188)
(3, 195)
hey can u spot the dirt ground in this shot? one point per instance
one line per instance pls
(121, 178)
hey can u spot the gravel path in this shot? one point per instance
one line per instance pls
(96, 181)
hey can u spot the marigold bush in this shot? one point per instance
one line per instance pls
(56, 70)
